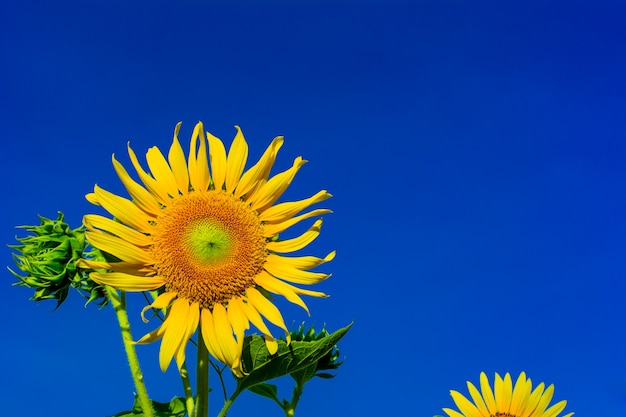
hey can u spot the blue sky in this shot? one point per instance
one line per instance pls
(475, 151)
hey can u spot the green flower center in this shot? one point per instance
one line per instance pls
(208, 242)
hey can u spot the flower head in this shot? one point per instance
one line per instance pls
(49, 258)
(507, 400)
(206, 236)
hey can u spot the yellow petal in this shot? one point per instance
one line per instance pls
(274, 187)
(192, 325)
(519, 394)
(176, 158)
(141, 197)
(237, 318)
(545, 400)
(534, 399)
(464, 405)
(452, 413)
(237, 157)
(160, 303)
(123, 210)
(260, 171)
(119, 248)
(156, 189)
(217, 153)
(255, 318)
(291, 274)
(125, 267)
(300, 262)
(504, 392)
(292, 245)
(207, 327)
(288, 291)
(94, 221)
(127, 282)
(266, 308)
(272, 229)
(478, 399)
(284, 211)
(225, 338)
(161, 171)
(555, 410)
(487, 394)
(175, 332)
(153, 336)
(198, 163)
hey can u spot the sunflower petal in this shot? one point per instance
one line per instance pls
(176, 158)
(207, 327)
(125, 267)
(271, 191)
(236, 162)
(291, 274)
(217, 153)
(478, 399)
(465, 406)
(487, 394)
(124, 210)
(119, 248)
(272, 229)
(292, 245)
(285, 211)
(555, 410)
(192, 324)
(175, 332)
(127, 282)
(300, 262)
(198, 163)
(519, 394)
(452, 413)
(266, 308)
(288, 291)
(161, 302)
(260, 171)
(155, 188)
(141, 197)
(161, 171)
(94, 221)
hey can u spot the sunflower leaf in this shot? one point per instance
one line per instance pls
(260, 366)
(175, 408)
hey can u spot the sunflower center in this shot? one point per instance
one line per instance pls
(208, 247)
(208, 243)
(501, 414)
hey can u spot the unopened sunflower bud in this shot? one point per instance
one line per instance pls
(48, 257)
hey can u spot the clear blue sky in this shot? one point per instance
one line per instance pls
(475, 150)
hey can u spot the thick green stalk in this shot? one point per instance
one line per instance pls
(202, 384)
(118, 301)
(189, 402)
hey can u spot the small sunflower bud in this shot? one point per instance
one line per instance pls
(48, 258)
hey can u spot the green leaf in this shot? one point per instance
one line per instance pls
(175, 408)
(260, 366)
(266, 390)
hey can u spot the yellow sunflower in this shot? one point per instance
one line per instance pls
(506, 400)
(208, 241)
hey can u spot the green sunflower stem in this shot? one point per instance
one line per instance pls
(189, 402)
(118, 301)
(202, 384)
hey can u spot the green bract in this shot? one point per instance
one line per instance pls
(48, 258)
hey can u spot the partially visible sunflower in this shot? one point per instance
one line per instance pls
(506, 400)
(208, 241)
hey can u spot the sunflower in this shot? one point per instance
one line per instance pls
(506, 400)
(208, 242)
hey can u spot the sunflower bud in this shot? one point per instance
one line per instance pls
(330, 361)
(48, 258)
